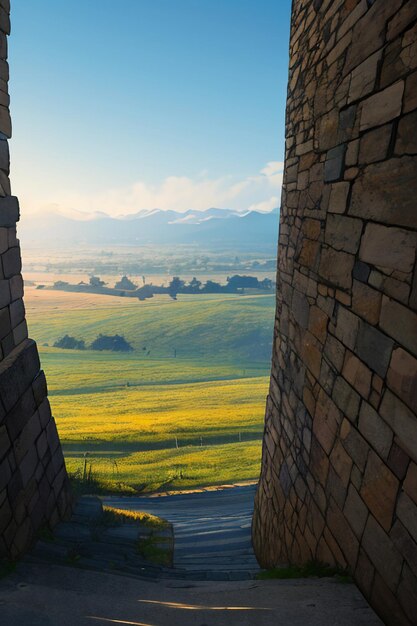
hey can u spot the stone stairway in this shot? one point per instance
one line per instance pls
(210, 532)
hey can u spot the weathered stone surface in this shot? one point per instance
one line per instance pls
(380, 196)
(349, 370)
(363, 77)
(343, 233)
(374, 144)
(410, 95)
(334, 163)
(336, 267)
(402, 377)
(374, 348)
(383, 554)
(401, 419)
(338, 197)
(356, 511)
(382, 107)
(388, 247)
(366, 302)
(357, 374)
(406, 136)
(326, 422)
(375, 430)
(400, 323)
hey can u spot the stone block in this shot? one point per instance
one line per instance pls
(4, 155)
(300, 308)
(370, 32)
(5, 444)
(380, 196)
(20, 333)
(402, 421)
(17, 312)
(364, 573)
(402, 377)
(343, 233)
(22, 411)
(400, 323)
(327, 419)
(327, 130)
(27, 437)
(336, 268)
(343, 533)
(40, 390)
(312, 354)
(407, 593)
(341, 462)
(4, 239)
(373, 348)
(357, 374)
(334, 164)
(317, 323)
(402, 19)
(16, 287)
(375, 430)
(382, 553)
(404, 544)
(334, 351)
(12, 263)
(356, 511)
(9, 211)
(410, 483)
(382, 107)
(347, 326)
(363, 77)
(346, 398)
(4, 301)
(407, 514)
(410, 94)
(387, 602)
(366, 302)
(398, 461)
(388, 247)
(379, 490)
(374, 144)
(406, 142)
(338, 197)
(355, 444)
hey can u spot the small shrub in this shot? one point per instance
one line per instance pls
(70, 343)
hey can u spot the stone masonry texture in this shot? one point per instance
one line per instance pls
(34, 491)
(338, 481)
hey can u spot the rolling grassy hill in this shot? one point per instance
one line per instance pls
(222, 327)
(130, 411)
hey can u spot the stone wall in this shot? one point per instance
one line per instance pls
(339, 469)
(33, 480)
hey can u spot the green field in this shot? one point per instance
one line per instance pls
(131, 411)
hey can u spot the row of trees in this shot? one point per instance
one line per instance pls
(115, 343)
(126, 287)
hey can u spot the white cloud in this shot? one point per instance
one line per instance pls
(261, 191)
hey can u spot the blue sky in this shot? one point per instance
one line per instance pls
(119, 106)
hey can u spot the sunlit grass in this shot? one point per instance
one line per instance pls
(183, 468)
(120, 406)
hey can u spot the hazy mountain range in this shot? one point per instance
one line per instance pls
(211, 227)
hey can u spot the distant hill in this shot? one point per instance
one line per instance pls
(213, 227)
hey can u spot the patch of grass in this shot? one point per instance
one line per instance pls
(114, 517)
(155, 546)
(130, 411)
(312, 569)
(183, 468)
(157, 550)
(99, 486)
